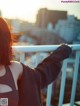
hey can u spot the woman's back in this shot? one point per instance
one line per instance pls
(8, 82)
(31, 80)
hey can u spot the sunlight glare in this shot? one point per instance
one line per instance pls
(24, 9)
(28, 9)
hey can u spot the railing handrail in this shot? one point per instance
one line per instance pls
(47, 48)
(42, 48)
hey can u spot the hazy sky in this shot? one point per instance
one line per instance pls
(27, 9)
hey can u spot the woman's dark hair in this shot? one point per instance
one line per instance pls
(5, 43)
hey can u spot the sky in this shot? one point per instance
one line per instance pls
(28, 9)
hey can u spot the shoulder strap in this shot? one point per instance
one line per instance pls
(10, 79)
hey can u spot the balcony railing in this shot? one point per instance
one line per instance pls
(75, 61)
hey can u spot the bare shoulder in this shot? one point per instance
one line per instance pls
(17, 66)
(17, 70)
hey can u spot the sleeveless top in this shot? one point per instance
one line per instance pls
(12, 96)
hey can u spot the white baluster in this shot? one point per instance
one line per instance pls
(63, 81)
(76, 66)
(49, 94)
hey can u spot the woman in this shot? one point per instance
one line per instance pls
(19, 84)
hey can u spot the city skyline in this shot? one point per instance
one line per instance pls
(28, 9)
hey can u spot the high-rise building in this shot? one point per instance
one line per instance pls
(46, 16)
(68, 29)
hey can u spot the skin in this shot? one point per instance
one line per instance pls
(16, 69)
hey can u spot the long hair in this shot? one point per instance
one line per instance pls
(5, 43)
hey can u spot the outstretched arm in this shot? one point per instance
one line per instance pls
(48, 70)
(50, 67)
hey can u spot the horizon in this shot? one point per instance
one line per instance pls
(26, 10)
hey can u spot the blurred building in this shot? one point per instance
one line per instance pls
(26, 26)
(16, 23)
(68, 29)
(27, 39)
(43, 36)
(38, 57)
(46, 16)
